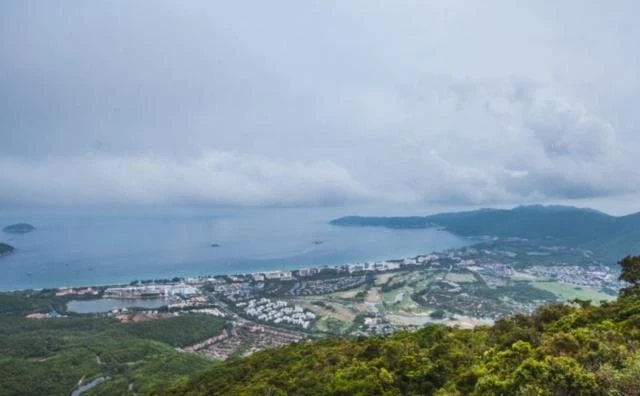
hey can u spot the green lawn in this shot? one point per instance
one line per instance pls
(570, 292)
(461, 278)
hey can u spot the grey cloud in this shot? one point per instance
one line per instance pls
(566, 130)
(220, 178)
(249, 103)
(524, 143)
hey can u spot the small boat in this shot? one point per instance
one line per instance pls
(318, 242)
(215, 245)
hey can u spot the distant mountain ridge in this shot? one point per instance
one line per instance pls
(610, 236)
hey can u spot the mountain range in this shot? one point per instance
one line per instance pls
(610, 236)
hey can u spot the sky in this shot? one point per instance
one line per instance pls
(304, 103)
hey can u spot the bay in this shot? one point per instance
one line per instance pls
(89, 246)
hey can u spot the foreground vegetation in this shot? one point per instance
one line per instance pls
(51, 356)
(577, 349)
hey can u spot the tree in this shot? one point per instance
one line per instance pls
(630, 270)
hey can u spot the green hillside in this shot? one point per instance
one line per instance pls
(560, 350)
(51, 356)
(607, 235)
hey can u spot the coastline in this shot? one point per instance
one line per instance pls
(251, 265)
(71, 249)
(231, 273)
(383, 294)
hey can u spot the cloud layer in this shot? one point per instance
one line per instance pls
(317, 103)
(211, 178)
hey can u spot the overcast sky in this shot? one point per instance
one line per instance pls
(318, 102)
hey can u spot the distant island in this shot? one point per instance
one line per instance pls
(610, 236)
(6, 249)
(19, 228)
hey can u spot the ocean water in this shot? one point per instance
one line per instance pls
(78, 247)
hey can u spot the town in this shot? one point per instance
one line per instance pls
(464, 287)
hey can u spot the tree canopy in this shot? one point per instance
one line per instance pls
(630, 270)
(574, 349)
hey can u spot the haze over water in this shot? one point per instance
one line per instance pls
(108, 246)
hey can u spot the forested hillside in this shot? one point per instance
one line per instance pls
(52, 356)
(577, 349)
(611, 237)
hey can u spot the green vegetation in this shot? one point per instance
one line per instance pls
(609, 236)
(577, 349)
(580, 348)
(388, 287)
(461, 278)
(23, 303)
(567, 292)
(630, 271)
(50, 356)
(172, 330)
(6, 249)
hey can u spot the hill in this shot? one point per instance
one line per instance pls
(560, 350)
(50, 356)
(19, 228)
(610, 236)
(6, 249)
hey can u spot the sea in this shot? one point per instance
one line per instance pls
(105, 246)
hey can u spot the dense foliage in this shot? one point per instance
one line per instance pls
(576, 349)
(630, 271)
(50, 356)
(14, 304)
(179, 331)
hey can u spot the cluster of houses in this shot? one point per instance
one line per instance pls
(369, 266)
(189, 302)
(153, 290)
(239, 291)
(274, 275)
(373, 266)
(324, 286)
(277, 312)
(592, 276)
(78, 291)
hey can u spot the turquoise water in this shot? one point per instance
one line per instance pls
(94, 247)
